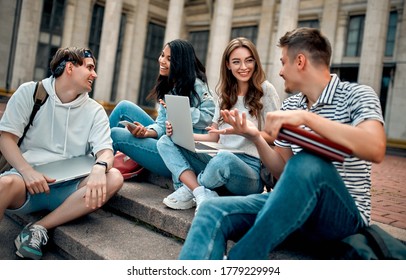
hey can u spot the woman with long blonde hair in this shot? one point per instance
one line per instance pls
(243, 86)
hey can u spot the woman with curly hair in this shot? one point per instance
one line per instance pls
(243, 86)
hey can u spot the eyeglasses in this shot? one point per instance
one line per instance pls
(248, 62)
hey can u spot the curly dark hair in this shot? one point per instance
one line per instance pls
(184, 69)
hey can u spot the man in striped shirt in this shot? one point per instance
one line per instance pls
(314, 198)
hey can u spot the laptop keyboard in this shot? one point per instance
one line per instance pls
(200, 146)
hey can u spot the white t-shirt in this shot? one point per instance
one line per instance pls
(270, 102)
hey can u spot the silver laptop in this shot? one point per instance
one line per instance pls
(67, 169)
(178, 114)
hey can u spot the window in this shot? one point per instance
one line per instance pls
(96, 29)
(150, 67)
(199, 40)
(387, 79)
(95, 35)
(347, 73)
(354, 36)
(391, 37)
(249, 32)
(313, 23)
(50, 37)
(119, 53)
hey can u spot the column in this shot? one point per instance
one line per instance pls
(220, 31)
(126, 70)
(81, 23)
(108, 49)
(174, 21)
(264, 46)
(330, 19)
(341, 32)
(373, 44)
(288, 17)
(26, 47)
(396, 102)
(69, 21)
(138, 49)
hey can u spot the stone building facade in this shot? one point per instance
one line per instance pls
(368, 39)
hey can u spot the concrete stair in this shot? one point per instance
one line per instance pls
(133, 225)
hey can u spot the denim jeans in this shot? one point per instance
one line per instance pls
(141, 150)
(310, 197)
(239, 173)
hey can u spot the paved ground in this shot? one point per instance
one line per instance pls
(389, 191)
(388, 187)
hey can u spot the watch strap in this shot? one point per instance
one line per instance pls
(103, 163)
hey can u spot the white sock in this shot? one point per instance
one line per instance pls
(199, 190)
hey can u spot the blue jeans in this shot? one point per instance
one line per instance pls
(44, 201)
(141, 150)
(310, 197)
(239, 173)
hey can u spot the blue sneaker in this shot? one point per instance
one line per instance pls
(30, 240)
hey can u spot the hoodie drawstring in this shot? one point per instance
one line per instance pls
(52, 122)
(66, 131)
(66, 126)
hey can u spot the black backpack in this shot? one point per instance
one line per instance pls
(371, 243)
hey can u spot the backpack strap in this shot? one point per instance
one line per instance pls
(40, 96)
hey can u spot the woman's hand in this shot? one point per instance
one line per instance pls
(162, 103)
(214, 130)
(169, 130)
(138, 130)
(240, 124)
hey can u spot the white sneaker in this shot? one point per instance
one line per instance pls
(182, 198)
(201, 194)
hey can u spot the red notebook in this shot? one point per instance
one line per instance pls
(314, 143)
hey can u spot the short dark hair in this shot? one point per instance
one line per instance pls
(72, 54)
(309, 40)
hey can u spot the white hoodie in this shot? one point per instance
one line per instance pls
(59, 130)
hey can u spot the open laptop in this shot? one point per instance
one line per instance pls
(178, 113)
(67, 169)
(314, 143)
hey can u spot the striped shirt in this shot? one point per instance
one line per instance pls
(351, 104)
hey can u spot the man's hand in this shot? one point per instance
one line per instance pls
(36, 182)
(96, 187)
(275, 120)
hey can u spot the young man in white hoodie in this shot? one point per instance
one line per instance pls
(68, 124)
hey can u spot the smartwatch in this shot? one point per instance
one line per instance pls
(102, 163)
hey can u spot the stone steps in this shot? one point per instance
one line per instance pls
(134, 224)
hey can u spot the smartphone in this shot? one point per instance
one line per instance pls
(127, 123)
